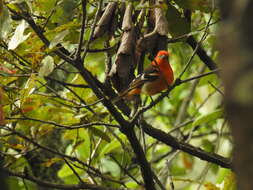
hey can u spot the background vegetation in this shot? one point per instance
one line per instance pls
(62, 63)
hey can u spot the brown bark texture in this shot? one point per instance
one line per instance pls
(236, 47)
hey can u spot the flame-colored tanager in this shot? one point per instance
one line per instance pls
(156, 78)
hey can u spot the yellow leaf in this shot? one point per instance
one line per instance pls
(51, 161)
(187, 161)
(210, 186)
(17, 146)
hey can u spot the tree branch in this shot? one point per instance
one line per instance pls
(49, 149)
(202, 53)
(40, 182)
(79, 49)
(69, 127)
(174, 143)
(126, 128)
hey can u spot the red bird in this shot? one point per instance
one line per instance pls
(156, 78)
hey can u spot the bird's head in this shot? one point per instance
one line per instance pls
(162, 54)
(161, 57)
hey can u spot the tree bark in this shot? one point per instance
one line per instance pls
(236, 47)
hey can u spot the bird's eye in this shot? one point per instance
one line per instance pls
(163, 56)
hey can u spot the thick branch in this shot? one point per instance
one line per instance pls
(174, 143)
(126, 128)
(141, 158)
(202, 53)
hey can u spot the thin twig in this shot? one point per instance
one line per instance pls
(78, 52)
(46, 148)
(67, 84)
(216, 88)
(54, 185)
(125, 170)
(87, 45)
(73, 170)
(69, 127)
(50, 14)
(197, 46)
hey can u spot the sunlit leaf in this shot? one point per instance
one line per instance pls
(208, 145)
(177, 170)
(29, 87)
(110, 166)
(47, 66)
(58, 39)
(113, 145)
(208, 117)
(18, 36)
(30, 104)
(66, 171)
(100, 133)
(131, 185)
(226, 179)
(17, 146)
(210, 186)
(84, 148)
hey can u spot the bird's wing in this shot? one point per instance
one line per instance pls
(150, 74)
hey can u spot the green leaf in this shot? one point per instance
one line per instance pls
(131, 185)
(18, 36)
(84, 148)
(111, 146)
(5, 23)
(227, 178)
(58, 38)
(79, 135)
(65, 11)
(47, 66)
(110, 166)
(177, 24)
(178, 170)
(201, 5)
(4, 74)
(99, 133)
(29, 86)
(208, 117)
(208, 145)
(65, 171)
